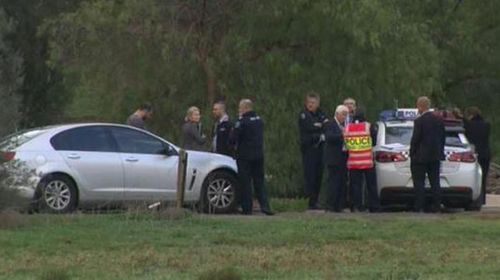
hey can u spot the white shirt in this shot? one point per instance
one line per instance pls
(224, 118)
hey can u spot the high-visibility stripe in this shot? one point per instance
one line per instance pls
(355, 133)
(358, 142)
(361, 162)
(361, 165)
(360, 155)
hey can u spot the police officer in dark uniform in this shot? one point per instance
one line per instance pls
(222, 130)
(248, 137)
(311, 120)
(478, 131)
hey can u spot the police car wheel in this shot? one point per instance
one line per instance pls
(475, 205)
(219, 193)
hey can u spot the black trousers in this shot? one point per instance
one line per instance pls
(418, 173)
(356, 178)
(312, 162)
(337, 175)
(252, 172)
(485, 167)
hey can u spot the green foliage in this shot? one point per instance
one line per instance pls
(10, 199)
(11, 77)
(113, 55)
(41, 93)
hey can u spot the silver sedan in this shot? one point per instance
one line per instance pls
(65, 167)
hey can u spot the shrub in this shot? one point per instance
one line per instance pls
(9, 197)
(10, 202)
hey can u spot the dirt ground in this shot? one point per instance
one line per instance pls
(493, 201)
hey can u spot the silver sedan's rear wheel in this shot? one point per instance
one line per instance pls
(219, 193)
(58, 194)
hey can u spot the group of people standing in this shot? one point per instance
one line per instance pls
(243, 140)
(343, 144)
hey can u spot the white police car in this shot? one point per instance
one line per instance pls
(460, 172)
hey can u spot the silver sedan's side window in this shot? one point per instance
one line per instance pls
(85, 139)
(136, 142)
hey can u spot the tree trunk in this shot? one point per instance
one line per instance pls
(210, 76)
(211, 81)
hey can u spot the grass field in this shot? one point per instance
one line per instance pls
(287, 246)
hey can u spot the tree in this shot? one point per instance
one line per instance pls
(10, 77)
(113, 55)
(205, 24)
(41, 95)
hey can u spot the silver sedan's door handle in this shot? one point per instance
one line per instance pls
(132, 159)
(74, 156)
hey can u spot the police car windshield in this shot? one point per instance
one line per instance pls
(402, 135)
(398, 135)
(456, 139)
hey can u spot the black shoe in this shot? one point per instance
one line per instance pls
(268, 212)
(435, 209)
(246, 213)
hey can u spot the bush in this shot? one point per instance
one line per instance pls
(9, 199)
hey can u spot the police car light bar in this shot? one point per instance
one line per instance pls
(398, 115)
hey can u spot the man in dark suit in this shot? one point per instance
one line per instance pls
(311, 120)
(477, 131)
(222, 130)
(426, 152)
(336, 160)
(248, 136)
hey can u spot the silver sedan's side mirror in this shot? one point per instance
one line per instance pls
(169, 151)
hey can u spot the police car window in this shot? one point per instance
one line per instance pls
(454, 139)
(398, 135)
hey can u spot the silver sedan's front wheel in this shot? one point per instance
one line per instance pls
(219, 193)
(58, 194)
